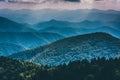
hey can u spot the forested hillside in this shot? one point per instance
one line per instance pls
(16, 70)
(80, 47)
(97, 69)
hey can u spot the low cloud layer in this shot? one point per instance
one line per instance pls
(73, 0)
(40, 1)
(60, 4)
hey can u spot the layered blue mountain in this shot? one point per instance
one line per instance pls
(69, 29)
(9, 48)
(65, 28)
(31, 36)
(35, 16)
(15, 37)
(26, 40)
(7, 25)
(80, 47)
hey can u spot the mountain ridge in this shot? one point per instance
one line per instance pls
(7, 25)
(35, 16)
(7, 49)
(27, 40)
(69, 29)
(80, 47)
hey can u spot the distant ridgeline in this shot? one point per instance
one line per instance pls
(97, 69)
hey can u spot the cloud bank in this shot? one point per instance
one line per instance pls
(60, 4)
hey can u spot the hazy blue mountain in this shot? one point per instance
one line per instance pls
(76, 28)
(35, 16)
(65, 31)
(7, 25)
(111, 30)
(8, 48)
(114, 24)
(64, 24)
(80, 47)
(64, 28)
(26, 40)
(29, 39)
(52, 22)
(67, 28)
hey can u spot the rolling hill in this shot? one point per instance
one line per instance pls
(80, 47)
(24, 40)
(8, 48)
(7, 25)
(64, 28)
(66, 24)
(69, 29)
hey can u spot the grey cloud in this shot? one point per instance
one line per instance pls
(41, 1)
(73, 0)
(56, 1)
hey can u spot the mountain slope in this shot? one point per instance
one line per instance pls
(69, 29)
(29, 39)
(66, 24)
(86, 46)
(65, 28)
(13, 42)
(52, 22)
(9, 48)
(17, 70)
(7, 25)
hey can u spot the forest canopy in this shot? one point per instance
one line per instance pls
(97, 69)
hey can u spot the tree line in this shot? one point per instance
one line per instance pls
(96, 69)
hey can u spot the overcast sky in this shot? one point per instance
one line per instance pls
(60, 4)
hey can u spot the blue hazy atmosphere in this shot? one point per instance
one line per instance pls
(23, 32)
